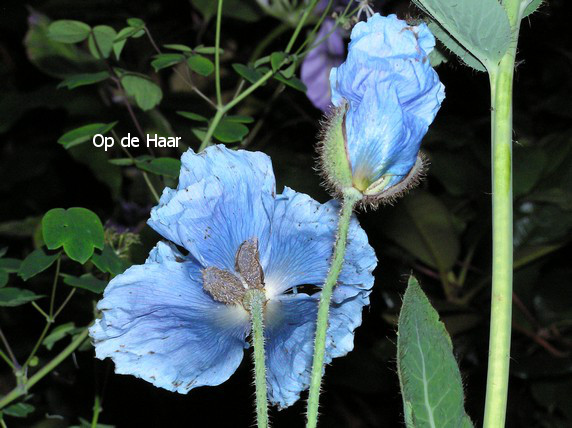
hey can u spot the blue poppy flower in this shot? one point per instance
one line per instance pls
(389, 94)
(166, 322)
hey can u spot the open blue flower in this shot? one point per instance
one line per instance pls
(389, 94)
(161, 324)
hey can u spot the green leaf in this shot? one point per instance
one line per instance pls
(122, 161)
(481, 27)
(108, 261)
(84, 133)
(37, 261)
(86, 281)
(276, 59)
(229, 131)
(19, 410)
(178, 47)
(146, 93)
(68, 31)
(192, 116)
(288, 72)
(16, 296)
(135, 22)
(532, 7)
(247, 73)
(168, 167)
(200, 65)
(101, 41)
(451, 44)
(428, 374)
(293, 82)
(208, 50)
(3, 251)
(128, 32)
(10, 265)
(423, 226)
(166, 60)
(84, 79)
(58, 334)
(78, 230)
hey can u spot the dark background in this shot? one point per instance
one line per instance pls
(361, 390)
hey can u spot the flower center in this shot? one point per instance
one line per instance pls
(229, 288)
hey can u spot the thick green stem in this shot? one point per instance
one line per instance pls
(501, 299)
(254, 302)
(351, 197)
(22, 390)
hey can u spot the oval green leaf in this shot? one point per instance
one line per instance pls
(200, 65)
(68, 31)
(84, 133)
(228, 131)
(146, 93)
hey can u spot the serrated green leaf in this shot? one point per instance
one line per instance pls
(10, 265)
(84, 133)
(228, 131)
(78, 230)
(16, 296)
(200, 65)
(166, 60)
(428, 373)
(192, 116)
(86, 281)
(450, 43)
(247, 73)
(179, 47)
(58, 334)
(37, 261)
(146, 93)
(532, 7)
(276, 59)
(108, 261)
(481, 27)
(68, 31)
(84, 79)
(293, 82)
(19, 410)
(423, 226)
(168, 167)
(101, 41)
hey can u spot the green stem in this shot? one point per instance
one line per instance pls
(22, 390)
(5, 358)
(301, 23)
(217, 54)
(254, 302)
(351, 197)
(96, 412)
(501, 80)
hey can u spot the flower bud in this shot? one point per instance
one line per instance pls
(385, 96)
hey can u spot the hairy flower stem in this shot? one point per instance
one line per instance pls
(501, 80)
(21, 390)
(351, 197)
(254, 302)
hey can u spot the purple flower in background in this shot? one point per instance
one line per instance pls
(316, 67)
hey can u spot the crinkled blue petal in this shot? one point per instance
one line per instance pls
(302, 238)
(160, 325)
(224, 197)
(290, 328)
